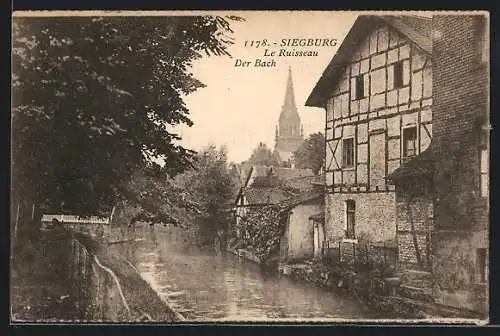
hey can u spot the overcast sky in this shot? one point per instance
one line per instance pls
(239, 107)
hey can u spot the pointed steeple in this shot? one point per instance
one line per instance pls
(289, 94)
(289, 133)
(289, 122)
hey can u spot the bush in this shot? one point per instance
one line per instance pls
(262, 230)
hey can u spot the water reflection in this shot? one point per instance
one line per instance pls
(205, 285)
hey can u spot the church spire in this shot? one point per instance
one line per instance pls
(289, 133)
(289, 122)
(289, 95)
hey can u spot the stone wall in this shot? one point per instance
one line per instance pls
(375, 216)
(414, 222)
(107, 288)
(456, 269)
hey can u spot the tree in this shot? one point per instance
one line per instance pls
(311, 153)
(211, 185)
(93, 98)
(262, 155)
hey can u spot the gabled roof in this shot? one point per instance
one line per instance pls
(416, 29)
(272, 176)
(268, 195)
(273, 184)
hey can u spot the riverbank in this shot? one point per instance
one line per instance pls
(43, 282)
(143, 302)
(376, 293)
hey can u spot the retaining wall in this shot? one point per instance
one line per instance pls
(108, 288)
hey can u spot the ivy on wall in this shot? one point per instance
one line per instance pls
(262, 229)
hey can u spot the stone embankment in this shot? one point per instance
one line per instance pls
(67, 276)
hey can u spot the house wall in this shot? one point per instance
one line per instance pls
(377, 120)
(456, 269)
(414, 241)
(376, 123)
(375, 216)
(461, 100)
(301, 232)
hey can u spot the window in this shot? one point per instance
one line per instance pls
(484, 173)
(398, 75)
(360, 86)
(348, 152)
(482, 264)
(350, 209)
(484, 161)
(409, 142)
(482, 41)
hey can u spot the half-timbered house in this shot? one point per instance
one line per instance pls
(377, 95)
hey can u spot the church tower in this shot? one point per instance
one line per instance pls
(289, 132)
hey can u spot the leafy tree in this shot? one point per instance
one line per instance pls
(211, 186)
(156, 198)
(93, 98)
(262, 155)
(311, 153)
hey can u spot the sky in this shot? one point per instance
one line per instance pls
(240, 106)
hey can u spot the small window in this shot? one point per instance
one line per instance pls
(482, 265)
(484, 173)
(484, 135)
(484, 160)
(482, 41)
(409, 142)
(350, 208)
(398, 75)
(360, 86)
(348, 152)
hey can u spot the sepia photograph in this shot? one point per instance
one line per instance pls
(250, 167)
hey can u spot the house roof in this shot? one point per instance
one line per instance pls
(301, 183)
(420, 165)
(291, 173)
(302, 197)
(274, 184)
(414, 28)
(273, 176)
(265, 195)
(318, 217)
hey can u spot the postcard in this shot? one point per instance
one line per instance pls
(250, 166)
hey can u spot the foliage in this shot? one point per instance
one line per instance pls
(262, 155)
(211, 186)
(160, 199)
(311, 153)
(197, 199)
(93, 99)
(262, 229)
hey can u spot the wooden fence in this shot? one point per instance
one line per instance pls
(346, 251)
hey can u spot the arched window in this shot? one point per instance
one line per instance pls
(350, 209)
